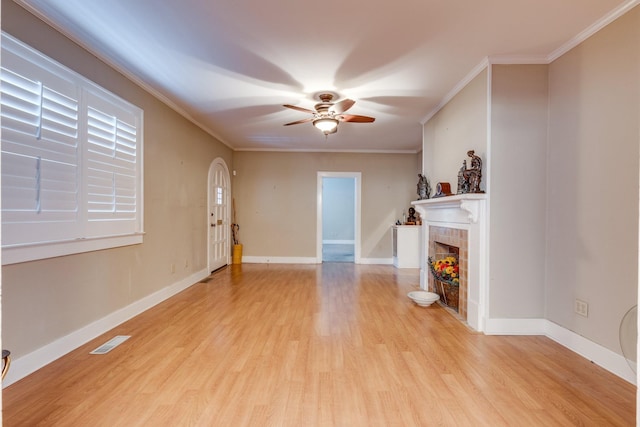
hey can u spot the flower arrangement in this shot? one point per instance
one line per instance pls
(446, 269)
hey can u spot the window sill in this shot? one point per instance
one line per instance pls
(33, 252)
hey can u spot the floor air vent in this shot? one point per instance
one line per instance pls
(111, 344)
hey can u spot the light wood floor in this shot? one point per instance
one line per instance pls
(315, 345)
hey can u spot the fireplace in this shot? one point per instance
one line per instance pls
(450, 241)
(458, 223)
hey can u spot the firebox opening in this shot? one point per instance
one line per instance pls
(443, 248)
(449, 287)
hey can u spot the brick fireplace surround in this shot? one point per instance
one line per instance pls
(458, 221)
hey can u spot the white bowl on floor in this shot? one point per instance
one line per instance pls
(423, 298)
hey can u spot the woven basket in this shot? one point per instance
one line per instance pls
(449, 293)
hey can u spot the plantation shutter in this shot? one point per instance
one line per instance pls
(111, 166)
(71, 160)
(40, 156)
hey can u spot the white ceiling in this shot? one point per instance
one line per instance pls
(229, 65)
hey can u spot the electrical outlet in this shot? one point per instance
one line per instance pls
(581, 308)
(173, 268)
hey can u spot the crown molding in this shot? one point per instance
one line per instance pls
(489, 60)
(457, 88)
(312, 150)
(113, 63)
(518, 59)
(592, 29)
(533, 59)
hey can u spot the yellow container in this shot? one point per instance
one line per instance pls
(237, 254)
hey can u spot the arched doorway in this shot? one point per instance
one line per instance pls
(219, 225)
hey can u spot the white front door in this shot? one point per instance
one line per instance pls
(218, 216)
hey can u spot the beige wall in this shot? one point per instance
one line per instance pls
(45, 300)
(275, 195)
(519, 96)
(458, 127)
(592, 247)
(563, 170)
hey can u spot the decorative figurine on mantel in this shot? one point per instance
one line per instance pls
(424, 189)
(469, 179)
(463, 183)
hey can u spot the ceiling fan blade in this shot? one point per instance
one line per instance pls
(355, 119)
(304, 110)
(342, 106)
(299, 121)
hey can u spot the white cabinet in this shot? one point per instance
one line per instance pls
(406, 246)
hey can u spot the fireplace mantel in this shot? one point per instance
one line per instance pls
(470, 203)
(466, 212)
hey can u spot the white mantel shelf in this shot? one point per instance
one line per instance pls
(466, 202)
(461, 211)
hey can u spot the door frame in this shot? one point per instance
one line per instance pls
(227, 201)
(357, 176)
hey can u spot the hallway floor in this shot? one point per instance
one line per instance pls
(338, 252)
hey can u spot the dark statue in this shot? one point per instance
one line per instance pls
(469, 178)
(424, 189)
(412, 218)
(463, 184)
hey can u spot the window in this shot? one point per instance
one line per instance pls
(71, 160)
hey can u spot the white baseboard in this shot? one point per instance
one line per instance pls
(515, 327)
(279, 260)
(382, 261)
(601, 356)
(306, 260)
(29, 363)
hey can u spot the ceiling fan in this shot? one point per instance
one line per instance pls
(328, 114)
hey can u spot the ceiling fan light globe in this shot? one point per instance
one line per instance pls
(326, 125)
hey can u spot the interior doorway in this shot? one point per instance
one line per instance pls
(338, 237)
